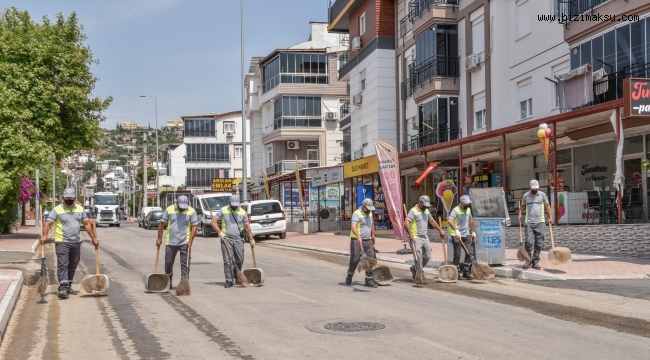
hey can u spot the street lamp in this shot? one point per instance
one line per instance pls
(157, 160)
(134, 140)
(243, 116)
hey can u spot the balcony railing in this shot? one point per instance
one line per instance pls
(436, 66)
(296, 122)
(417, 7)
(407, 90)
(344, 58)
(346, 158)
(568, 9)
(199, 133)
(405, 27)
(345, 110)
(290, 165)
(345, 40)
(611, 87)
(431, 138)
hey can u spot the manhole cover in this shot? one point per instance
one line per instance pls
(354, 326)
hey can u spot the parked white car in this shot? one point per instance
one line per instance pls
(266, 217)
(144, 212)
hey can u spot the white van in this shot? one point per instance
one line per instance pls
(144, 212)
(266, 217)
(200, 203)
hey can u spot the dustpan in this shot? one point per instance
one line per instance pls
(255, 275)
(382, 275)
(95, 285)
(157, 282)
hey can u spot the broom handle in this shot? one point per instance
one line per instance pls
(157, 258)
(42, 252)
(471, 257)
(444, 243)
(96, 261)
(550, 229)
(253, 253)
(189, 251)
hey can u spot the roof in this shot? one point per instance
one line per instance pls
(213, 115)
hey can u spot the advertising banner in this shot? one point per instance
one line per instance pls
(388, 167)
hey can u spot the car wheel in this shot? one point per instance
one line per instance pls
(118, 225)
(139, 224)
(283, 235)
(267, 236)
(204, 233)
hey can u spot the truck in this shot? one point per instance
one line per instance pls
(106, 208)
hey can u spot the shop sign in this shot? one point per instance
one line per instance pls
(360, 167)
(222, 185)
(325, 177)
(636, 97)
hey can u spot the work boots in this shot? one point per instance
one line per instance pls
(413, 271)
(348, 279)
(536, 265)
(527, 264)
(371, 283)
(467, 275)
(63, 293)
(228, 284)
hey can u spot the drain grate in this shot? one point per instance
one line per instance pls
(354, 326)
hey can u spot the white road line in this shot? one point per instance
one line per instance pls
(446, 348)
(299, 297)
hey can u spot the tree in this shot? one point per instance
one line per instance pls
(46, 101)
(151, 175)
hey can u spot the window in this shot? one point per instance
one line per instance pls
(200, 127)
(207, 153)
(228, 126)
(362, 84)
(269, 155)
(364, 136)
(556, 94)
(297, 111)
(440, 40)
(202, 178)
(525, 101)
(523, 18)
(238, 151)
(296, 68)
(478, 37)
(312, 152)
(239, 173)
(362, 24)
(479, 120)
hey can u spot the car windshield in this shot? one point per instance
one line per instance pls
(266, 209)
(217, 202)
(106, 200)
(155, 215)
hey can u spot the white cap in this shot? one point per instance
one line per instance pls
(534, 184)
(367, 202)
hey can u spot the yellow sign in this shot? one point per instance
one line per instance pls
(360, 167)
(222, 185)
(237, 181)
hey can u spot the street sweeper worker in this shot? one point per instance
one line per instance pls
(461, 228)
(362, 238)
(536, 204)
(229, 222)
(181, 221)
(416, 225)
(67, 219)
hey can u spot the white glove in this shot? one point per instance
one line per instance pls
(252, 241)
(473, 234)
(221, 235)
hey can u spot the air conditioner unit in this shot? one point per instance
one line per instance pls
(473, 61)
(230, 134)
(331, 116)
(293, 145)
(474, 168)
(356, 99)
(356, 43)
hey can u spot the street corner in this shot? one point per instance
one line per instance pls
(11, 282)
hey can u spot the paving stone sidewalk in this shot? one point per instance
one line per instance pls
(582, 266)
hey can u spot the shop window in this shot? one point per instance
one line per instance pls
(633, 145)
(564, 156)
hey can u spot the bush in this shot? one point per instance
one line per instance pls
(8, 218)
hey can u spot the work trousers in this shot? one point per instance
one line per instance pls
(466, 265)
(423, 249)
(534, 239)
(67, 258)
(236, 247)
(170, 258)
(355, 255)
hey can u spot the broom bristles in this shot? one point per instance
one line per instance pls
(478, 272)
(42, 284)
(183, 288)
(420, 278)
(522, 254)
(241, 279)
(366, 264)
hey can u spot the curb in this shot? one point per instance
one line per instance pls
(35, 246)
(505, 272)
(8, 302)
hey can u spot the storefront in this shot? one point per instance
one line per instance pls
(362, 181)
(325, 197)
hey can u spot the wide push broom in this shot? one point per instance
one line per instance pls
(43, 281)
(183, 288)
(477, 271)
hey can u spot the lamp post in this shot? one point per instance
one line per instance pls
(134, 140)
(145, 187)
(157, 160)
(243, 116)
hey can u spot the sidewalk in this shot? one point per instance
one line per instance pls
(582, 266)
(11, 281)
(23, 240)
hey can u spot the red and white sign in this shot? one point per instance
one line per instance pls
(388, 165)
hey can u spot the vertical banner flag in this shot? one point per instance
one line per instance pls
(388, 165)
(299, 184)
(266, 185)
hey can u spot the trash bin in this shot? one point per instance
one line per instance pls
(490, 214)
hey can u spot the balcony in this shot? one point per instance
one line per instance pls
(290, 122)
(418, 7)
(290, 165)
(407, 90)
(199, 134)
(345, 110)
(431, 138)
(405, 27)
(436, 66)
(568, 9)
(344, 58)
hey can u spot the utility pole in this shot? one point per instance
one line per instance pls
(155, 98)
(53, 182)
(134, 170)
(144, 172)
(38, 203)
(243, 116)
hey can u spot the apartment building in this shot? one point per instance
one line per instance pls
(368, 66)
(293, 100)
(212, 148)
(131, 125)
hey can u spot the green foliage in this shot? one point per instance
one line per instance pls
(9, 219)
(46, 101)
(645, 163)
(181, 188)
(151, 175)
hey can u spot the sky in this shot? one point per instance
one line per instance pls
(185, 52)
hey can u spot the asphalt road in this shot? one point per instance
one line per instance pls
(293, 315)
